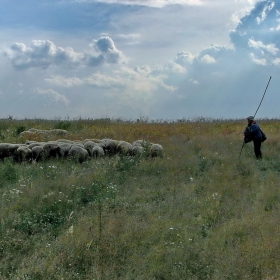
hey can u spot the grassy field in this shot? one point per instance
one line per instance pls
(199, 212)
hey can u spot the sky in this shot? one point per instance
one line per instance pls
(139, 59)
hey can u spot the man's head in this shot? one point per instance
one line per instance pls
(250, 119)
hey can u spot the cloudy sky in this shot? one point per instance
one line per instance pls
(130, 59)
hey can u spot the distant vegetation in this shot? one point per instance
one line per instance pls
(200, 212)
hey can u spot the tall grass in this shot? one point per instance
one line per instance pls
(200, 212)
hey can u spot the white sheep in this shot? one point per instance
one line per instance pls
(51, 149)
(124, 148)
(110, 146)
(93, 140)
(156, 150)
(142, 143)
(43, 133)
(138, 150)
(37, 152)
(63, 149)
(23, 153)
(34, 144)
(97, 152)
(78, 153)
(8, 149)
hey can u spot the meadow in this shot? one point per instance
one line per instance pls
(199, 212)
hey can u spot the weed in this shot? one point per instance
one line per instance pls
(8, 173)
(45, 218)
(2, 134)
(19, 129)
(63, 125)
(125, 163)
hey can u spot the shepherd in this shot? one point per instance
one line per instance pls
(254, 133)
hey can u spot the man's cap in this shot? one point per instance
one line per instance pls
(250, 118)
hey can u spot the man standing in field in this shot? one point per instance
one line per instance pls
(254, 133)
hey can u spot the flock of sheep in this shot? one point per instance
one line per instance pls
(80, 151)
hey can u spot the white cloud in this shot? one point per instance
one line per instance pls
(106, 50)
(215, 53)
(129, 36)
(97, 79)
(259, 61)
(184, 58)
(195, 82)
(208, 59)
(53, 96)
(43, 53)
(104, 81)
(144, 70)
(267, 8)
(240, 13)
(149, 3)
(61, 81)
(276, 61)
(140, 80)
(130, 39)
(168, 68)
(270, 48)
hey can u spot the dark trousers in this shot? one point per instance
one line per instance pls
(257, 148)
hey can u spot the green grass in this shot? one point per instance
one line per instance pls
(200, 212)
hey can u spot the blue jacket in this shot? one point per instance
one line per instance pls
(253, 132)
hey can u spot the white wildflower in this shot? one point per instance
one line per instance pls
(70, 230)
